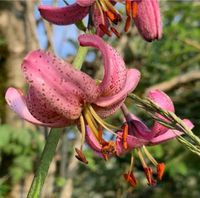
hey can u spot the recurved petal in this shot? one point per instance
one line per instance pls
(63, 88)
(115, 73)
(17, 103)
(170, 134)
(56, 71)
(133, 77)
(63, 15)
(85, 2)
(132, 141)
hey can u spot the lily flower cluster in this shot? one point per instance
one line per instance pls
(60, 95)
(105, 17)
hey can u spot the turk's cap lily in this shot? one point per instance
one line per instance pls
(148, 19)
(58, 93)
(139, 134)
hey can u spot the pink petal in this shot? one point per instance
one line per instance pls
(85, 2)
(115, 73)
(133, 77)
(170, 134)
(104, 112)
(92, 141)
(139, 130)
(63, 88)
(63, 15)
(132, 142)
(161, 99)
(165, 102)
(17, 103)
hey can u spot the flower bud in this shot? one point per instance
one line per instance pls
(148, 19)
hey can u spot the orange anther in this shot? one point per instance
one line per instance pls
(134, 8)
(105, 30)
(130, 178)
(111, 15)
(115, 32)
(128, 7)
(80, 156)
(160, 170)
(124, 136)
(149, 175)
(108, 149)
(127, 24)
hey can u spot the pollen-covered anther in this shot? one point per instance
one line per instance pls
(127, 24)
(134, 9)
(108, 149)
(80, 156)
(105, 30)
(128, 7)
(130, 178)
(149, 175)
(124, 136)
(160, 170)
(115, 32)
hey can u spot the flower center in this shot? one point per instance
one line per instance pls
(96, 124)
(109, 14)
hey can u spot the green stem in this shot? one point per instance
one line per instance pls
(47, 156)
(80, 57)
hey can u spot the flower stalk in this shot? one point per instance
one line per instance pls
(47, 156)
(174, 122)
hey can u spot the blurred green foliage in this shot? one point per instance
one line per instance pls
(19, 148)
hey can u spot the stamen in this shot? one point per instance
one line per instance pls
(111, 16)
(108, 149)
(150, 157)
(144, 165)
(124, 136)
(149, 175)
(82, 123)
(101, 121)
(80, 156)
(127, 24)
(90, 123)
(128, 7)
(160, 170)
(100, 10)
(134, 7)
(148, 170)
(115, 32)
(105, 30)
(130, 178)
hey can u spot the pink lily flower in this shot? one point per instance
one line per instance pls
(136, 135)
(139, 134)
(145, 14)
(58, 94)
